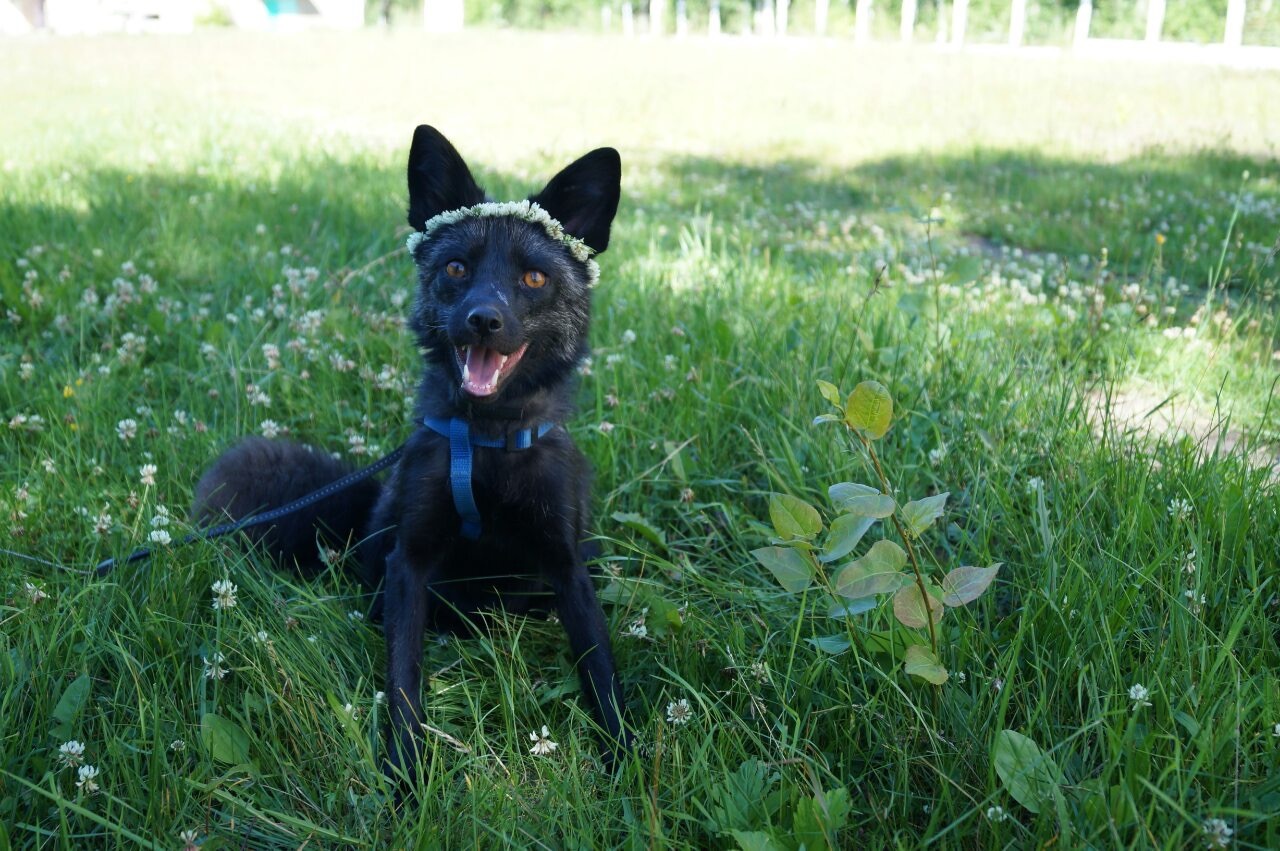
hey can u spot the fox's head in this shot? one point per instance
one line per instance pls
(504, 290)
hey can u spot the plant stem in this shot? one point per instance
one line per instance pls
(906, 540)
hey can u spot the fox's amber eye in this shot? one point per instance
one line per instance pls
(455, 269)
(533, 278)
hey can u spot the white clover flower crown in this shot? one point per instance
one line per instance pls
(527, 211)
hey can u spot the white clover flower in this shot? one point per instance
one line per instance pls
(127, 429)
(996, 814)
(605, 426)
(177, 745)
(1139, 693)
(102, 523)
(1217, 833)
(148, 474)
(936, 455)
(542, 744)
(224, 594)
(679, 712)
(1034, 485)
(269, 428)
(161, 518)
(355, 616)
(35, 594)
(213, 669)
(71, 754)
(637, 628)
(669, 363)
(1179, 509)
(628, 337)
(161, 537)
(188, 838)
(87, 779)
(1189, 561)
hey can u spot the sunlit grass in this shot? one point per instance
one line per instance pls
(183, 219)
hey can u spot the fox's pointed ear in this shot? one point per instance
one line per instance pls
(584, 197)
(439, 179)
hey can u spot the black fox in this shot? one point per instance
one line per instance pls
(489, 505)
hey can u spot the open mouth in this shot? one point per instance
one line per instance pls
(483, 369)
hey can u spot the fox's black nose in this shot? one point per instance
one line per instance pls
(485, 320)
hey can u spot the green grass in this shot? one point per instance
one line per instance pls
(765, 186)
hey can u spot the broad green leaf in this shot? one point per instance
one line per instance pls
(846, 531)
(913, 610)
(69, 706)
(965, 270)
(224, 740)
(848, 608)
(756, 840)
(1028, 774)
(833, 644)
(920, 514)
(793, 517)
(815, 821)
(921, 662)
(830, 392)
(862, 500)
(676, 462)
(792, 568)
(877, 572)
(869, 409)
(966, 584)
(637, 523)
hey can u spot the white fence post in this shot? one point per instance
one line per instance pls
(1084, 16)
(959, 21)
(628, 20)
(862, 22)
(1017, 22)
(682, 19)
(1155, 20)
(907, 28)
(713, 19)
(820, 9)
(781, 12)
(1234, 35)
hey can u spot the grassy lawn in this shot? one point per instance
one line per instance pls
(1063, 272)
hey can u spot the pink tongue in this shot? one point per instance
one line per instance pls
(480, 377)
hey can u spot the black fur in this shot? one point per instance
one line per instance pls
(534, 503)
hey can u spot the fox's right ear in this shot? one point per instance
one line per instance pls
(439, 179)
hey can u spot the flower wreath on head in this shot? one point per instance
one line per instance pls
(527, 211)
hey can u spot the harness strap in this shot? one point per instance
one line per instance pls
(461, 442)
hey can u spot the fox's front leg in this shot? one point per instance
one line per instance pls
(408, 600)
(584, 624)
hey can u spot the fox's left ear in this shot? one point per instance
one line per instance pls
(584, 196)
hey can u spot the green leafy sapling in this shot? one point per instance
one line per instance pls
(796, 558)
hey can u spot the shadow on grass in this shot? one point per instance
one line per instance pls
(212, 231)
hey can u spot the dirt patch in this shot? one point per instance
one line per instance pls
(1146, 413)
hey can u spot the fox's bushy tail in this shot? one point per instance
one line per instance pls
(257, 475)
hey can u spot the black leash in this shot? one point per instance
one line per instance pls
(328, 490)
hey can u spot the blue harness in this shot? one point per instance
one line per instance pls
(461, 441)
